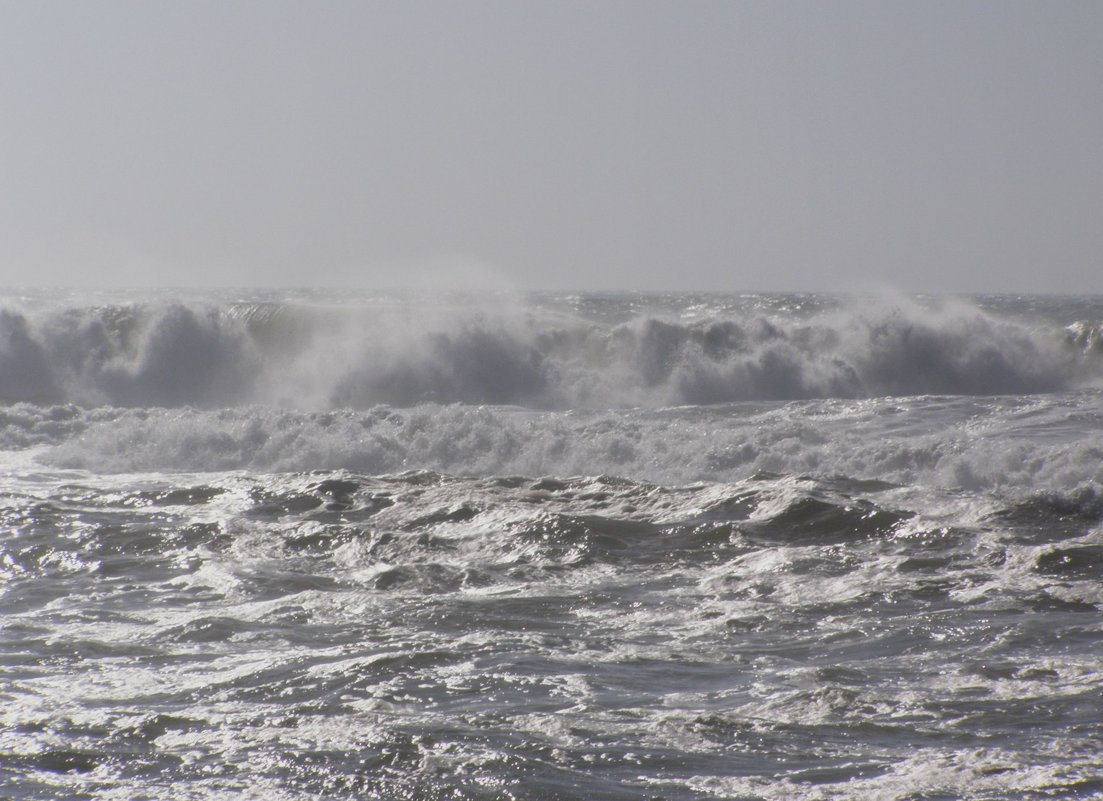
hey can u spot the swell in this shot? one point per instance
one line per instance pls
(408, 352)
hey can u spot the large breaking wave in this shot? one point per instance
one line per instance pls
(409, 353)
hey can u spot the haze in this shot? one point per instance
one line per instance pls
(934, 146)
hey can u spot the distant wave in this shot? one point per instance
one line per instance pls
(310, 357)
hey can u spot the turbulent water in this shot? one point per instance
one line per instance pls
(318, 545)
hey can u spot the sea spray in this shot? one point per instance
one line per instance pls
(533, 355)
(301, 545)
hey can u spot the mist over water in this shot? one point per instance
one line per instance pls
(540, 353)
(486, 546)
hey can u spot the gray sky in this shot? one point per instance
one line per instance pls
(944, 146)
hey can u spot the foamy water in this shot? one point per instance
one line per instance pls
(554, 547)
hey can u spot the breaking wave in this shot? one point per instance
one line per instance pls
(407, 353)
(967, 443)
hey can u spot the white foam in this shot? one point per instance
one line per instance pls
(920, 441)
(494, 350)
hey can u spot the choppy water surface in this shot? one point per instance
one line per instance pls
(602, 547)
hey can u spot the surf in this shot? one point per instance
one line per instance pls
(540, 352)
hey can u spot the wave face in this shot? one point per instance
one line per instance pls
(543, 353)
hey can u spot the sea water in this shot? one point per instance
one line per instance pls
(300, 545)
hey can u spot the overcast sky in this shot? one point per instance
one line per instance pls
(944, 146)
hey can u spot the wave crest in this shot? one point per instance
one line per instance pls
(408, 353)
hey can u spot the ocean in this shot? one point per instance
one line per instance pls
(353, 545)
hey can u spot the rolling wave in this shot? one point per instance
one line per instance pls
(970, 443)
(407, 353)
